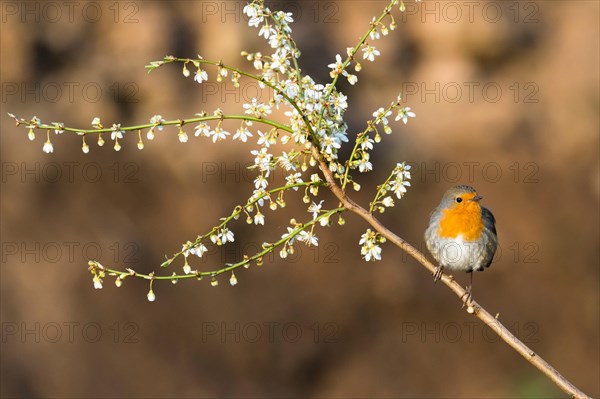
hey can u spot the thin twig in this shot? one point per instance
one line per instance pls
(473, 307)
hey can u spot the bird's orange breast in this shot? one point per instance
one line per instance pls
(462, 219)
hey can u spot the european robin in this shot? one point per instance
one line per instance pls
(461, 234)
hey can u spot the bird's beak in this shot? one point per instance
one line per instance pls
(476, 198)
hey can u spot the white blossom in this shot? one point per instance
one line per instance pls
(404, 114)
(388, 201)
(199, 250)
(97, 282)
(315, 209)
(116, 133)
(48, 147)
(308, 238)
(286, 163)
(202, 129)
(294, 178)
(200, 75)
(370, 52)
(219, 134)
(226, 235)
(364, 165)
(183, 137)
(259, 218)
(242, 134)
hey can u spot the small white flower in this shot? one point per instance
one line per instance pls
(183, 137)
(367, 144)
(97, 282)
(266, 31)
(352, 79)
(381, 116)
(404, 114)
(202, 129)
(85, 148)
(226, 235)
(258, 64)
(187, 268)
(399, 187)
(200, 75)
(370, 52)
(242, 134)
(199, 250)
(263, 139)
(255, 14)
(324, 221)
(260, 182)
(291, 89)
(284, 17)
(219, 134)
(48, 147)
(403, 170)
(116, 132)
(371, 252)
(283, 253)
(315, 209)
(151, 296)
(369, 247)
(233, 280)
(286, 163)
(262, 159)
(336, 67)
(374, 35)
(279, 63)
(308, 238)
(257, 109)
(364, 165)
(388, 201)
(294, 178)
(157, 120)
(290, 231)
(259, 218)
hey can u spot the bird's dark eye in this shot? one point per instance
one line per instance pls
(458, 199)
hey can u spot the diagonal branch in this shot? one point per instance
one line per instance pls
(473, 307)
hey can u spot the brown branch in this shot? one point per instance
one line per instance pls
(472, 308)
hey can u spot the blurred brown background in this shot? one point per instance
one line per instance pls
(506, 96)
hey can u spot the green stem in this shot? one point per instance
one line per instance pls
(172, 123)
(350, 57)
(239, 209)
(258, 79)
(292, 44)
(371, 125)
(377, 196)
(269, 248)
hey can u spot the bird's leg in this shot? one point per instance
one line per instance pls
(469, 293)
(439, 271)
